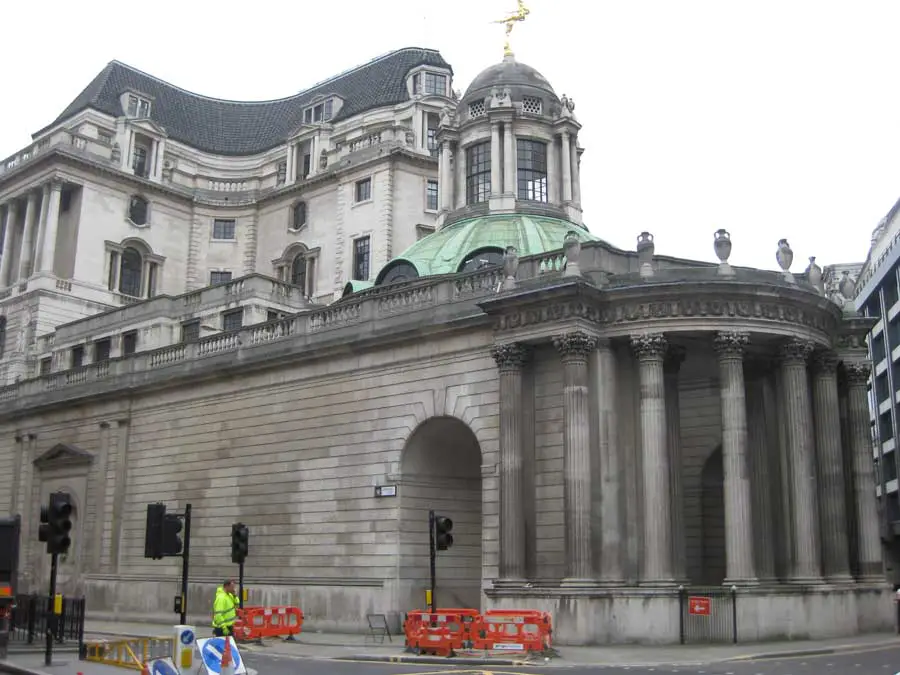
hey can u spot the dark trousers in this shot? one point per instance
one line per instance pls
(222, 632)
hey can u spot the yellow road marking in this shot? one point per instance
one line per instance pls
(840, 652)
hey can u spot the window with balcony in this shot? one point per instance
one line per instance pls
(129, 342)
(233, 320)
(130, 272)
(363, 190)
(361, 259)
(531, 160)
(140, 163)
(138, 107)
(219, 277)
(431, 195)
(78, 356)
(298, 271)
(138, 209)
(190, 331)
(132, 268)
(46, 365)
(102, 350)
(224, 229)
(478, 173)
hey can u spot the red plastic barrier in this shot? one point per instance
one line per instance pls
(513, 630)
(440, 632)
(255, 623)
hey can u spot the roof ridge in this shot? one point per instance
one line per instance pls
(321, 83)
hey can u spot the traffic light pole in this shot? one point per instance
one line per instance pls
(52, 617)
(432, 546)
(185, 563)
(241, 585)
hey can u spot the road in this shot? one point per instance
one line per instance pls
(871, 662)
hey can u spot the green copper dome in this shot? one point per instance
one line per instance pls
(472, 243)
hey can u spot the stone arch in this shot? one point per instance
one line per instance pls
(297, 266)
(440, 470)
(712, 514)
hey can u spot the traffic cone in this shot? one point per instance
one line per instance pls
(146, 669)
(227, 662)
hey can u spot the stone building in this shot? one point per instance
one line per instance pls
(602, 426)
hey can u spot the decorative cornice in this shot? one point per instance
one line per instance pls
(511, 356)
(731, 344)
(795, 351)
(547, 313)
(857, 374)
(649, 346)
(825, 362)
(575, 346)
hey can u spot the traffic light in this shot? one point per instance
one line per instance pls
(153, 539)
(171, 528)
(240, 543)
(56, 523)
(442, 537)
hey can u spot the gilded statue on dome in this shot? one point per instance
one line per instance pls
(511, 20)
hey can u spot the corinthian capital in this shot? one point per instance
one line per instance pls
(857, 373)
(825, 362)
(796, 351)
(731, 344)
(510, 356)
(575, 345)
(649, 345)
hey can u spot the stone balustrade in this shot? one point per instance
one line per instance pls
(63, 141)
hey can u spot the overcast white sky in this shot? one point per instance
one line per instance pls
(771, 118)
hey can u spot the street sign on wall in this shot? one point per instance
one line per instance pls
(699, 606)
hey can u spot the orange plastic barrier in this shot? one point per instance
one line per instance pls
(441, 632)
(513, 630)
(255, 623)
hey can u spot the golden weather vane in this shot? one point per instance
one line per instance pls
(519, 15)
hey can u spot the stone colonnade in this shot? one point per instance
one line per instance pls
(34, 215)
(815, 489)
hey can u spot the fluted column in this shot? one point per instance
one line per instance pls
(611, 522)
(445, 184)
(511, 359)
(801, 464)
(832, 507)
(553, 181)
(25, 253)
(567, 166)
(762, 445)
(672, 364)
(867, 530)
(496, 160)
(9, 224)
(48, 255)
(576, 172)
(509, 159)
(575, 348)
(656, 567)
(738, 496)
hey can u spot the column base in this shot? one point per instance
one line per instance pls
(871, 579)
(611, 583)
(658, 583)
(578, 582)
(751, 581)
(841, 578)
(804, 581)
(510, 582)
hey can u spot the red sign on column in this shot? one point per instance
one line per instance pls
(699, 606)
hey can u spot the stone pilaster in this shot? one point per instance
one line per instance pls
(738, 500)
(99, 499)
(801, 465)
(511, 358)
(674, 358)
(657, 567)
(868, 540)
(610, 517)
(496, 160)
(575, 348)
(832, 506)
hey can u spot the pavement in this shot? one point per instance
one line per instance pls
(349, 654)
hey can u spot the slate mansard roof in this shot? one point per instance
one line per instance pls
(245, 128)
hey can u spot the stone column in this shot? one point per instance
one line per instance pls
(832, 507)
(576, 172)
(575, 348)
(511, 359)
(657, 567)
(672, 364)
(445, 182)
(48, 255)
(25, 254)
(9, 225)
(553, 172)
(867, 530)
(509, 159)
(800, 460)
(762, 443)
(567, 166)
(611, 522)
(496, 160)
(738, 496)
(42, 224)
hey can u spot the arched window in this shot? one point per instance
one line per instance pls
(478, 173)
(484, 257)
(137, 210)
(130, 272)
(299, 215)
(399, 270)
(298, 271)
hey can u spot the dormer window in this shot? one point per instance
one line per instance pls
(321, 112)
(434, 84)
(138, 107)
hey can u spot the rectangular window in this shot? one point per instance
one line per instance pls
(431, 195)
(46, 365)
(129, 343)
(138, 107)
(223, 229)
(233, 319)
(152, 270)
(307, 115)
(478, 173)
(219, 277)
(329, 109)
(363, 190)
(531, 160)
(435, 84)
(432, 142)
(139, 163)
(416, 80)
(190, 331)
(361, 259)
(307, 166)
(102, 349)
(77, 356)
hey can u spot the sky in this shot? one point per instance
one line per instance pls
(771, 119)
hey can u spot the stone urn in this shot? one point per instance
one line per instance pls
(645, 250)
(847, 286)
(572, 249)
(814, 275)
(510, 267)
(785, 258)
(722, 246)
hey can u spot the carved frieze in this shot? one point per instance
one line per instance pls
(511, 356)
(731, 344)
(559, 311)
(796, 351)
(575, 345)
(649, 345)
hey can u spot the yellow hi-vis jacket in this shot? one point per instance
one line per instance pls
(224, 612)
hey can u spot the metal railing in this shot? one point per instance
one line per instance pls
(32, 614)
(708, 615)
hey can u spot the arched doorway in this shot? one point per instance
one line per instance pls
(441, 470)
(713, 519)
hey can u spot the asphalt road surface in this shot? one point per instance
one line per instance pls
(869, 662)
